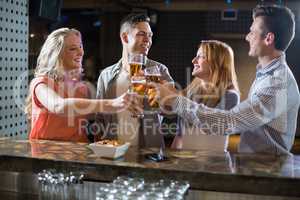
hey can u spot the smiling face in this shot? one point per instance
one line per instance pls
(201, 65)
(139, 38)
(256, 38)
(72, 52)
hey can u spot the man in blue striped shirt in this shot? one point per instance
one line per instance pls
(267, 118)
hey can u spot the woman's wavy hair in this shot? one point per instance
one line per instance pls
(222, 74)
(49, 61)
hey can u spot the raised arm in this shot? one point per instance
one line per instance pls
(78, 106)
(266, 104)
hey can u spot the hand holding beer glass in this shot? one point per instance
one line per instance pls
(138, 81)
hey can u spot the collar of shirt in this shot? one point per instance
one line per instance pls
(270, 67)
(117, 69)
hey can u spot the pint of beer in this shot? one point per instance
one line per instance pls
(135, 68)
(152, 74)
(138, 82)
(136, 61)
(138, 85)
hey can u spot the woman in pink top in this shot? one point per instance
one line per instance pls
(58, 102)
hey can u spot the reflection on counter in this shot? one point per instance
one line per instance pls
(204, 170)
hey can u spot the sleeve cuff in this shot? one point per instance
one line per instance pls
(182, 105)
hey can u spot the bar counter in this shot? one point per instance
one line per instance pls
(207, 171)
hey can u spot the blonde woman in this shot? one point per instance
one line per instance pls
(215, 85)
(58, 102)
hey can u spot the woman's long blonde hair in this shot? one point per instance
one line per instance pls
(222, 75)
(49, 61)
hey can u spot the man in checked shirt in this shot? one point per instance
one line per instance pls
(267, 118)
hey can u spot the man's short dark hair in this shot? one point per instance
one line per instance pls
(279, 20)
(132, 19)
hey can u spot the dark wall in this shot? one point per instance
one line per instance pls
(176, 37)
(294, 63)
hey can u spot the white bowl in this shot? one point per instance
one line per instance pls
(109, 151)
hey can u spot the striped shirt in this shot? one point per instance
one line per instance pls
(267, 119)
(193, 137)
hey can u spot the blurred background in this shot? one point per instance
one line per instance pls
(178, 27)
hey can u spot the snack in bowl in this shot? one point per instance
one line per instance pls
(109, 142)
(109, 148)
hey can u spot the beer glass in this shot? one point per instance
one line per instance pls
(138, 82)
(136, 62)
(152, 74)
